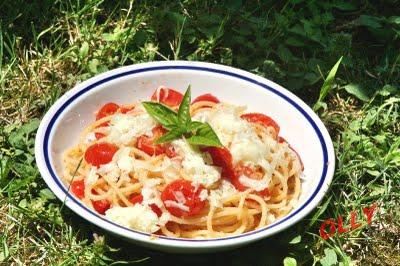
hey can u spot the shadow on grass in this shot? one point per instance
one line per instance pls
(272, 250)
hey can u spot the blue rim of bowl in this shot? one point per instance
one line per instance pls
(183, 67)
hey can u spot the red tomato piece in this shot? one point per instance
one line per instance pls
(139, 199)
(281, 140)
(191, 197)
(147, 145)
(206, 97)
(167, 96)
(170, 151)
(136, 199)
(101, 206)
(222, 158)
(261, 119)
(106, 110)
(241, 169)
(144, 143)
(158, 131)
(100, 153)
(99, 135)
(124, 110)
(78, 188)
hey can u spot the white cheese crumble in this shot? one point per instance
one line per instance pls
(124, 161)
(92, 176)
(124, 127)
(111, 170)
(174, 204)
(226, 122)
(164, 218)
(203, 195)
(139, 217)
(194, 166)
(150, 193)
(119, 167)
(216, 197)
(247, 146)
(257, 185)
(202, 116)
(90, 137)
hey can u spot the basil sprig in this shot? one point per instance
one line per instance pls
(180, 123)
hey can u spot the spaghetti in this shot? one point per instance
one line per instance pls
(179, 190)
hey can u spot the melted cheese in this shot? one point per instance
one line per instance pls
(194, 166)
(139, 217)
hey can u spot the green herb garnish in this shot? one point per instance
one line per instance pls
(180, 123)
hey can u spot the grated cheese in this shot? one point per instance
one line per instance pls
(174, 204)
(139, 217)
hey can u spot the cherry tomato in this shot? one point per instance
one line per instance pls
(281, 140)
(139, 199)
(241, 169)
(144, 143)
(78, 188)
(191, 195)
(262, 119)
(100, 153)
(206, 97)
(101, 206)
(222, 158)
(170, 151)
(147, 145)
(106, 110)
(99, 135)
(167, 96)
(124, 110)
(158, 131)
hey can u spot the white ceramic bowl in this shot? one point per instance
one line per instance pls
(300, 126)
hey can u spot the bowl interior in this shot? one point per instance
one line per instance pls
(295, 127)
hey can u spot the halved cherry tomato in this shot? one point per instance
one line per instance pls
(139, 199)
(136, 198)
(147, 145)
(262, 119)
(100, 153)
(167, 96)
(206, 97)
(101, 206)
(106, 110)
(144, 143)
(222, 158)
(158, 131)
(170, 151)
(190, 193)
(78, 188)
(99, 135)
(241, 169)
(124, 110)
(281, 140)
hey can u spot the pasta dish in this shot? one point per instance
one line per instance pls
(181, 168)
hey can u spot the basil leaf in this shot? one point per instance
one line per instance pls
(184, 109)
(165, 116)
(175, 133)
(206, 136)
(194, 125)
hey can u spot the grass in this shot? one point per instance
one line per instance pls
(46, 47)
